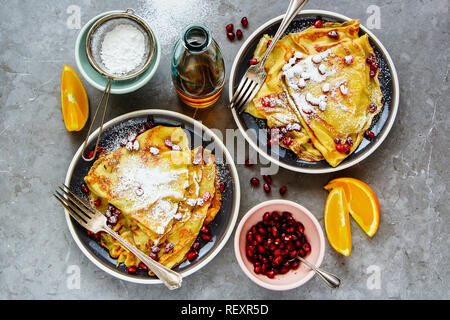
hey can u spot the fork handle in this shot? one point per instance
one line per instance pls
(293, 9)
(169, 277)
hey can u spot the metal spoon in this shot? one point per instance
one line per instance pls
(330, 279)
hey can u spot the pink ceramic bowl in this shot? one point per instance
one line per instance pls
(313, 232)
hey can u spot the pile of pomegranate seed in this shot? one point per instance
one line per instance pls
(112, 215)
(372, 62)
(343, 146)
(273, 244)
(229, 28)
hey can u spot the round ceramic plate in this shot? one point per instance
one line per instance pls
(381, 125)
(117, 129)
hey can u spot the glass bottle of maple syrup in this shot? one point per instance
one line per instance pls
(198, 70)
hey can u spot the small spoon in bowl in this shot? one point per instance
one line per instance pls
(330, 279)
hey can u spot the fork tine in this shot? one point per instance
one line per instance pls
(75, 206)
(244, 99)
(75, 198)
(243, 92)
(238, 95)
(72, 213)
(251, 95)
(244, 80)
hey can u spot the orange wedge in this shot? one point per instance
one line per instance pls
(362, 202)
(337, 222)
(74, 100)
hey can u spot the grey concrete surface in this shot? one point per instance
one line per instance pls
(409, 172)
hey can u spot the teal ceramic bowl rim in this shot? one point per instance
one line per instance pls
(97, 80)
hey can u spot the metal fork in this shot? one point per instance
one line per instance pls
(94, 221)
(255, 75)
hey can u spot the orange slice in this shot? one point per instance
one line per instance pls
(362, 202)
(337, 222)
(74, 100)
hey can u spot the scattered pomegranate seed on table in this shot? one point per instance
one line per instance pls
(230, 36)
(248, 163)
(244, 22)
(229, 27)
(266, 187)
(267, 179)
(254, 181)
(239, 34)
(283, 190)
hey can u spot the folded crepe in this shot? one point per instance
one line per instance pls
(320, 84)
(161, 194)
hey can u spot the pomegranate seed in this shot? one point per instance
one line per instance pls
(249, 236)
(258, 238)
(96, 235)
(88, 232)
(295, 264)
(333, 34)
(91, 154)
(205, 229)
(372, 73)
(370, 60)
(192, 255)
(283, 190)
(349, 141)
(244, 22)
(373, 108)
(205, 237)
(222, 186)
(84, 188)
(254, 181)
(277, 261)
(155, 249)
(302, 253)
(230, 36)
(257, 269)
(98, 202)
(288, 141)
(266, 216)
(307, 247)
(269, 43)
(262, 231)
(229, 27)
(293, 254)
(248, 163)
(168, 248)
(298, 244)
(196, 245)
(318, 24)
(153, 256)
(369, 134)
(374, 66)
(148, 125)
(284, 270)
(132, 270)
(337, 140)
(239, 34)
(267, 179)
(340, 148)
(266, 188)
(270, 274)
(253, 62)
(142, 266)
(300, 227)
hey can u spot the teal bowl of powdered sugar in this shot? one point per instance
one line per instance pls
(115, 61)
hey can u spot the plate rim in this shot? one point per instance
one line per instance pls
(387, 127)
(236, 203)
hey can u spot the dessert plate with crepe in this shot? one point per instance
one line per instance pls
(161, 179)
(330, 97)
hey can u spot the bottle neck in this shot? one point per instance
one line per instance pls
(196, 38)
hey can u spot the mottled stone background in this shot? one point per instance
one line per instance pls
(409, 172)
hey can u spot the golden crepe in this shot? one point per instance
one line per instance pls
(319, 82)
(165, 192)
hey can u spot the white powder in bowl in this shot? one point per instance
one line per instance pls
(123, 49)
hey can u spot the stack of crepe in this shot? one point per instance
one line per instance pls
(165, 194)
(322, 85)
